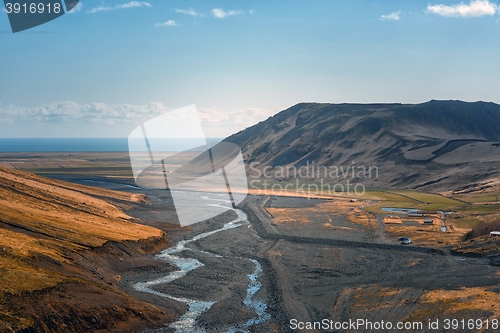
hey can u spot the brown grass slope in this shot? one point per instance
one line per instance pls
(55, 242)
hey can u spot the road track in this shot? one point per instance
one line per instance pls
(261, 220)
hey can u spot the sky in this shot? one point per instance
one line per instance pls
(107, 66)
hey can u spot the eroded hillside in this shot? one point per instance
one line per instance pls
(438, 145)
(56, 240)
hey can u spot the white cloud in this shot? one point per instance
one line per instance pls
(217, 123)
(221, 13)
(72, 112)
(169, 23)
(73, 117)
(476, 8)
(76, 9)
(78, 119)
(99, 9)
(189, 11)
(131, 4)
(394, 16)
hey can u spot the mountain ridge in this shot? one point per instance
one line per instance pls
(431, 145)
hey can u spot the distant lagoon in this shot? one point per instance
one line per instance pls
(84, 145)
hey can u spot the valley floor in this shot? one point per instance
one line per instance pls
(321, 259)
(324, 263)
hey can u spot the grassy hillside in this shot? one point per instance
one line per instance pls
(54, 241)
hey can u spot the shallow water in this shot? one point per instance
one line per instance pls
(400, 210)
(101, 182)
(188, 322)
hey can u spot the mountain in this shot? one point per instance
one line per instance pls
(438, 145)
(58, 243)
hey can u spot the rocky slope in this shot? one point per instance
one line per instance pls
(438, 145)
(58, 243)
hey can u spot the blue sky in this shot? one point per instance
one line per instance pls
(103, 69)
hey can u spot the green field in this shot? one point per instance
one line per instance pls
(95, 164)
(479, 197)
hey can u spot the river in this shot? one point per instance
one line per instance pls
(188, 322)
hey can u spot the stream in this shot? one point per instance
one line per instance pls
(187, 323)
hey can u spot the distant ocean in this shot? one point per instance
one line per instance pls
(83, 145)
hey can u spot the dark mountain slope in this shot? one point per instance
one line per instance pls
(435, 145)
